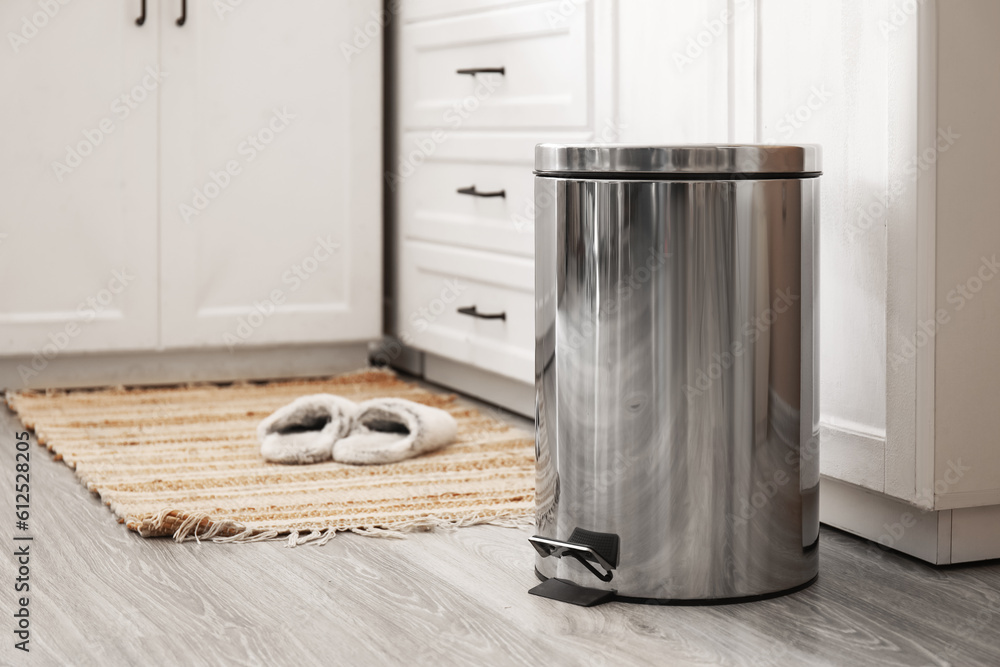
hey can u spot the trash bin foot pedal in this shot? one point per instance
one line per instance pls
(603, 544)
(588, 547)
(566, 591)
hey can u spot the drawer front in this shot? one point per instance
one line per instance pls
(421, 10)
(485, 206)
(436, 281)
(542, 49)
(478, 146)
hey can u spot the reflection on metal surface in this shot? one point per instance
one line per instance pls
(676, 381)
(737, 160)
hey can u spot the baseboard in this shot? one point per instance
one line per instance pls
(975, 533)
(512, 395)
(852, 456)
(942, 537)
(172, 367)
(887, 521)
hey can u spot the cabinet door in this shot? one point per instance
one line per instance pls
(270, 144)
(80, 83)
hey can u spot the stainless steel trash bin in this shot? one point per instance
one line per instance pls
(676, 371)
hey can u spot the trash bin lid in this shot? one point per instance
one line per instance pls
(697, 161)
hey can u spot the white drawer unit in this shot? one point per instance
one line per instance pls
(461, 173)
(473, 205)
(470, 306)
(510, 67)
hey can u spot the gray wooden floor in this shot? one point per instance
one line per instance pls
(101, 595)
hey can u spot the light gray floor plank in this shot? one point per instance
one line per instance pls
(101, 595)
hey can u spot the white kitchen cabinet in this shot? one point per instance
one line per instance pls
(227, 192)
(830, 82)
(270, 172)
(78, 168)
(478, 85)
(903, 101)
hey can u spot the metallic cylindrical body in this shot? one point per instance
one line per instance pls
(676, 365)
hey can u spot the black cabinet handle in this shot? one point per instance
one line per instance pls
(142, 17)
(473, 71)
(184, 13)
(471, 190)
(472, 312)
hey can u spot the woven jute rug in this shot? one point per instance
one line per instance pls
(184, 461)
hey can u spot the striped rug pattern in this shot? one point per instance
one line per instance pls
(185, 461)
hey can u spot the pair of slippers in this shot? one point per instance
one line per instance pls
(321, 427)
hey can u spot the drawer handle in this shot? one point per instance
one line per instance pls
(473, 71)
(182, 19)
(472, 312)
(142, 17)
(471, 190)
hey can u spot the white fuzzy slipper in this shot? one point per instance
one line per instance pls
(392, 429)
(304, 430)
